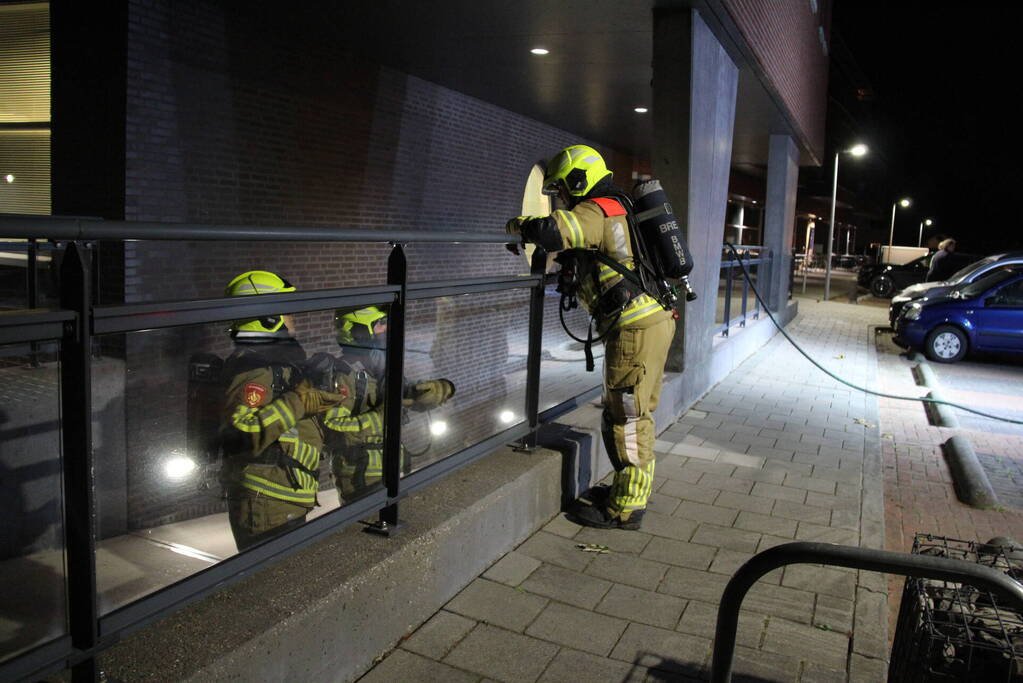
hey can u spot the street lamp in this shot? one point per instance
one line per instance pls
(920, 237)
(856, 150)
(904, 203)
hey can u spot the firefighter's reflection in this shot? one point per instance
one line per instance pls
(271, 440)
(356, 429)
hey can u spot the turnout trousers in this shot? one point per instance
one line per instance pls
(634, 360)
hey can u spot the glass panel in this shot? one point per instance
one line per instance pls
(25, 171)
(563, 366)
(206, 445)
(32, 573)
(479, 343)
(16, 274)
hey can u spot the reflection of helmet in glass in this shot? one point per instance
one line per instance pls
(356, 326)
(259, 282)
(577, 168)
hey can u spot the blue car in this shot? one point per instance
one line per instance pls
(984, 315)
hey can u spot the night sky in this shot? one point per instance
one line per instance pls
(939, 115)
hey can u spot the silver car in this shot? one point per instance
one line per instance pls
(972, 272)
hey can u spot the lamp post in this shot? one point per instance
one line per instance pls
(891, 232)
(856, 150)
(920, 237)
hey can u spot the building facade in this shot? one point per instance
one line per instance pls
(392, 117)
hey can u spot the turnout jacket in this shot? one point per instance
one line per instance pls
(271, 448)
(600, 224)
(356, 427)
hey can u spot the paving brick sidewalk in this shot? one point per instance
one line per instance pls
(776, 452)
(919, 494)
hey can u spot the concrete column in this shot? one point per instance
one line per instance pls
(694, 114)
(780, 215)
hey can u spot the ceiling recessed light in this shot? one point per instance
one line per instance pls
(641, 110)
(540, 51)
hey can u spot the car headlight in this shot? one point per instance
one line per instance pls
(913, 311)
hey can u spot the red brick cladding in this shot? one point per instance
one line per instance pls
(783, 37)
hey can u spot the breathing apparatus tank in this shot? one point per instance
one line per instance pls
(661, 233)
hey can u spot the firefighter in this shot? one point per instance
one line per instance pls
(271, 439)
(638, 330)
(356, 430)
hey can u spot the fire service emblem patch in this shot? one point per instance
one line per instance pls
(254, 394)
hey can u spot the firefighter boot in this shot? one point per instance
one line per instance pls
(599, 517)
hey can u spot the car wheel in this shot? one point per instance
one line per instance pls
(946, 344)
(881, 286)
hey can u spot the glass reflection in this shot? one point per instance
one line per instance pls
(563, 365)
(31, 531)
(465, 372)
(213, 438)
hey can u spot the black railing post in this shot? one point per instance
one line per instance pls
(76, 446)
(397, 274)
(763, 257)
(745, 292)
(538, 267)
(32, 282)
(728, 296)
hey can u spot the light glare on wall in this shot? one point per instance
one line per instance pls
(506, 416)
(438, 427)
(9, 177)
(178, 467)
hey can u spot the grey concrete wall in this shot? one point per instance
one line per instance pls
(327, 612)
(780, 214)
(695, 85)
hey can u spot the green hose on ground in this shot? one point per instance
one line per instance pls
(921, 399)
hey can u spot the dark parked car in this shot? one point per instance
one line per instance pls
(971, 273)
(984, 315)
(884, 279)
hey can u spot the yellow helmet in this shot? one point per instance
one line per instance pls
(259, 282)
(578, 168)
(356, 326)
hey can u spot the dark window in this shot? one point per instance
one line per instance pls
(1010, 295)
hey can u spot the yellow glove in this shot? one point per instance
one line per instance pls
(429, 394)
(315, 400)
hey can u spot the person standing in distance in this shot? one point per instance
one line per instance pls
(942, 265)
(639, 331)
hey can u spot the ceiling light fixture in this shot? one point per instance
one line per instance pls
(9, 177)
(540, 51)
(641, 110)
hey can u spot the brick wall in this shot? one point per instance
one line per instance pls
(783, 35)
(227, 123)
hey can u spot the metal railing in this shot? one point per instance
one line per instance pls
(731, 269)
(884, 561)
(78, 321)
